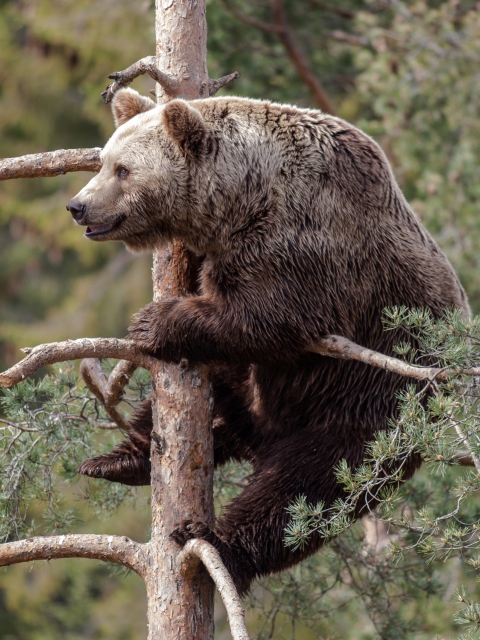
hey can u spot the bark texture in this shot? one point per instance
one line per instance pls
(223, 581)
(50, 164)
(46, 354)
(117, 549)
(180, 605)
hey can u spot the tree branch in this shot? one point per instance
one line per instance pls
(215, 85)
(211, 559)
(472, 460)
(299, 59)
(172, 86)
(281, 28)
(128, 75)
(108, 390)
(349, 38)
(117, 549)
(50, 164)
(331, 346)
(338, 347)
(46, 354)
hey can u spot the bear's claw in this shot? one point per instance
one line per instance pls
(188, 530)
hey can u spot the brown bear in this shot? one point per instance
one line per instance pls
(303, 233)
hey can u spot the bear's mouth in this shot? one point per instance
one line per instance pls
(103, 230)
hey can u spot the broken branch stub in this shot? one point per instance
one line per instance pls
(145, 65)
(170, 85)
(215, 85)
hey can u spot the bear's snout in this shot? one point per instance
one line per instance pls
(77, 209)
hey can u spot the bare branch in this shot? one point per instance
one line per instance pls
(349, 38)
(211, 559)
(117, 381)
(96, 380)
(215, 85)
(338, 347)
(145, 65)
(50, 164)
(332, 346)
(46, 354)
(299, 59)
(117, 549)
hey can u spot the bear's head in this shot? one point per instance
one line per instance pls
(141, 194)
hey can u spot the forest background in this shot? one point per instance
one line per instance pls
(407, 73)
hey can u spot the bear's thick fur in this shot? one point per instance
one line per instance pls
(304, 232)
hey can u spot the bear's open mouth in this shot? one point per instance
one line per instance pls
(94, 232)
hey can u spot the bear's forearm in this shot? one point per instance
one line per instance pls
(198, 329)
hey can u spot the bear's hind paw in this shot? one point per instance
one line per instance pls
(126, 469)
(188, 530)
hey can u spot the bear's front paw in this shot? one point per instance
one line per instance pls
(188, 530)
(144, 329)
(150, 327)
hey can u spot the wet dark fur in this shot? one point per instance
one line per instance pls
(318, 240)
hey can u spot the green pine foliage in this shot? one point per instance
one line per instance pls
(437, 514)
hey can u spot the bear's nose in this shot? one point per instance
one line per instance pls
(76, 208)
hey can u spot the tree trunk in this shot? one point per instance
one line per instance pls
(180, 602)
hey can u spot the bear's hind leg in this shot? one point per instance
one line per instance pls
(129, 462)
(250, 535)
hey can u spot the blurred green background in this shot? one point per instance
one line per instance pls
(408, 73)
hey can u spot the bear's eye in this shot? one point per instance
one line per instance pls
(121, 172)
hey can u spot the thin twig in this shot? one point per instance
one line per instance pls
(117, 549)
(50, 163)
(46, 354)
(171, 85)
(145, 65)
(211, 559)
(349, 38)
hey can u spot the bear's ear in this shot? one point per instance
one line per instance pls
(127, 103)
(187, 127)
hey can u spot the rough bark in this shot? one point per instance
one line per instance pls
(117, 549)
(50, 163)
(211, 559)
(45, 354)
(180, 605)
